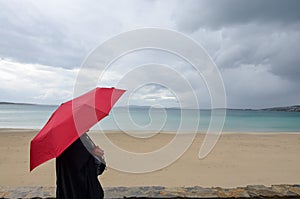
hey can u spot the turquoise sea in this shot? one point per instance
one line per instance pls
(145, 119)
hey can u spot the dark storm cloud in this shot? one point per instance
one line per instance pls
(254, 43)
(265, 33)
(216, 14)
(261, 46)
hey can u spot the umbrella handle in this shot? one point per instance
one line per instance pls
(88, 142)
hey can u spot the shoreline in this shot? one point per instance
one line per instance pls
(164, 132)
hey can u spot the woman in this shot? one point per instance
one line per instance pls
(76, 172)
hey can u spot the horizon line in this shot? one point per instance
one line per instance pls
(145, 106)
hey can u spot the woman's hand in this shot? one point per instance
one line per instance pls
(98, 152)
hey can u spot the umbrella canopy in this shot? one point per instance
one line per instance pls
(70, 120)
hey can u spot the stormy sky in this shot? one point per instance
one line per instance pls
(255, 45)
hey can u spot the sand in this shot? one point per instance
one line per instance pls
(238, 159)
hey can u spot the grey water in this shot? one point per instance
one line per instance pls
(152, 119)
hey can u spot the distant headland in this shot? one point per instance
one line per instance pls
(17, 103)
(293, 108)
(30, 104)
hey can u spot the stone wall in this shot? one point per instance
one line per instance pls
(251, 191)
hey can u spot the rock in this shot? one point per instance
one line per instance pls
(41, 192)
(201, 192)
(283, 190)
(232, 193)
(295, 189)
(261, 191)
(115, 192)
(251, 191)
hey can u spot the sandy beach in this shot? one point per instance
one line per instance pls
(238, 159)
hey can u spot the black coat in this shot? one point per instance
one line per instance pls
(76, 176)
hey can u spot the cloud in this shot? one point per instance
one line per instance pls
(254, 44)
(261, 46)
(247, 32)
(62, 33)
(157, 77)
(263, 35)
(214, 14)
(31, 36)
(35, 83)
(251, 86)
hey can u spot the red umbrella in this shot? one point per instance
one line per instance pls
(70, 120)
